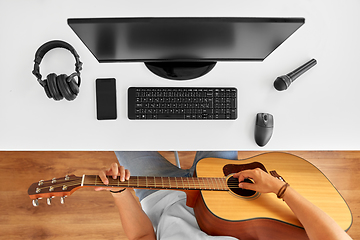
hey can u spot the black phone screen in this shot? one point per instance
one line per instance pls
(106, 98)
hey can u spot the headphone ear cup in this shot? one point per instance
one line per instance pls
(74, 86)
(64, 87)
(52, 87)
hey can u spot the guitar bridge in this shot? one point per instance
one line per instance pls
(275, 174)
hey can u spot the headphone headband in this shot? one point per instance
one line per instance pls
(46, 47)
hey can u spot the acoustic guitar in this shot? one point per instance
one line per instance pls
(220, 206)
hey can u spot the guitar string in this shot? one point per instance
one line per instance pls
(157, 187)
(146, 179)
(134, 185)
(155, 183)
(230, 184)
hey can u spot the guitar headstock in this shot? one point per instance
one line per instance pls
(56, 187)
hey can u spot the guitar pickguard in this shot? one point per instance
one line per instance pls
(234, 168)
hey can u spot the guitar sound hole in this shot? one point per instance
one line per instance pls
(233, 184)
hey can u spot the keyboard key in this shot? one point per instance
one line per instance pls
(171, 116)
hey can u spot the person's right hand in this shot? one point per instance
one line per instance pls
(263, 182)
(115, 170)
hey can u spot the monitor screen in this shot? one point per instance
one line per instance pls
(183, 39)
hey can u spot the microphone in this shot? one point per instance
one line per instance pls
(283, 82)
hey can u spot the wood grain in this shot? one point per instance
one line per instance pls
(92, 215)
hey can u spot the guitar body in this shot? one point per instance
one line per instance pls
(264, 216)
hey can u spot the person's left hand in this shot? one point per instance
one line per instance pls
(115, 170)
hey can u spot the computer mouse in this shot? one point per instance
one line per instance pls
(263, 128)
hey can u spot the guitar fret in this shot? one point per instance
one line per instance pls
(221, 184)
(170, 182)
(188, 181)
(152, 182)
(159, 182)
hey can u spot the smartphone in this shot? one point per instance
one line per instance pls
(106, 98)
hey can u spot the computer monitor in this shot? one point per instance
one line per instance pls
(183, 48)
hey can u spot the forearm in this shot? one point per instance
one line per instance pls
(318, 224)
(135, 222)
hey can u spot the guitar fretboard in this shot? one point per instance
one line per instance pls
(182, 183)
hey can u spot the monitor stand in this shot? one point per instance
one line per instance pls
(180, 70)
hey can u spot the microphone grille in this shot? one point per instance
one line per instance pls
(280, 83)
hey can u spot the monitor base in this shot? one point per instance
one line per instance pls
(180, 70)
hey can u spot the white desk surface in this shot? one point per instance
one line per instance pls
(320, 110)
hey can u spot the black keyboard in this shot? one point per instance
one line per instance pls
(182, 103)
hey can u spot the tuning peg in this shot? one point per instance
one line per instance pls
(62, 199)
(48, 201)
(35, 202)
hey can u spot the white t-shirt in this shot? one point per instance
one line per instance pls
(172, 219)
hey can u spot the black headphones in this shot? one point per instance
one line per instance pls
(62, 86)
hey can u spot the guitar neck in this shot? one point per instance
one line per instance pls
(179, 183)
